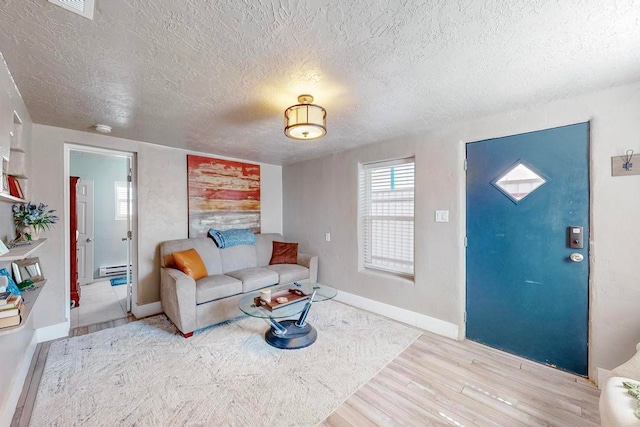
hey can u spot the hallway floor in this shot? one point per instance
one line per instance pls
(100, 302)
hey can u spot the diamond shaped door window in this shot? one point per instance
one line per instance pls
(519, 181)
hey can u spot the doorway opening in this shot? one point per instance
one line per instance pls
(100, 256)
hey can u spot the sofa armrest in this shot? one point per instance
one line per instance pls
(178, 298)
(311, 262)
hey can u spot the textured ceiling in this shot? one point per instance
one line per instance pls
(217, 76)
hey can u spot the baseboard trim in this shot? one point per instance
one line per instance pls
(146, 310)
(17, 383)
(53, 332)
(412, 318)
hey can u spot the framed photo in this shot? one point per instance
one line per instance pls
(14, 187)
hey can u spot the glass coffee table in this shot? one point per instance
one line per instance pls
(289, 334)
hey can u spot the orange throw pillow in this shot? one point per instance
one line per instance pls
(284, 253)
(190, 263)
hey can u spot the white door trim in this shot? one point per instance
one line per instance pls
(68, 148)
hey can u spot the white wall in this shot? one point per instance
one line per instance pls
(320, 196)
(161, 200)
(16, 349)
(10, 101)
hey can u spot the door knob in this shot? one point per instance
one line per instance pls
(89, 239)
(576, 257)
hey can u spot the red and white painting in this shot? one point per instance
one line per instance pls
(222, 194)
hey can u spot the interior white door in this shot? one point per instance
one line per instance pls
(84, 208)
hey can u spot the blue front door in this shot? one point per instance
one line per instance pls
(527, 203)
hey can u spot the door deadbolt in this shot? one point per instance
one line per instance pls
(575, 237)
(576, 257)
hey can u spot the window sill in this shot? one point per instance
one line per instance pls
(410, 278)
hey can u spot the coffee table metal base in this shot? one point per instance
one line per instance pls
(294, 337)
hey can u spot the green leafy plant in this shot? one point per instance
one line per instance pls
(36, 216)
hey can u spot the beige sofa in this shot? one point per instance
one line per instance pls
(616, 405)
(233, 271)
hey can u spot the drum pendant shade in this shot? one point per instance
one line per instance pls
(305, 120)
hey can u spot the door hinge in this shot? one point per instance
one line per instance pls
(466, 164)
(129, 234)
(465, 241)
(129, 179)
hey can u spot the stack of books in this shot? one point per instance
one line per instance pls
(10, 306)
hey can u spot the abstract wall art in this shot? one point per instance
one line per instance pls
(223, 194)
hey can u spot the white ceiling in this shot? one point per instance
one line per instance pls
(217, 76)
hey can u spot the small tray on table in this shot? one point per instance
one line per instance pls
(292, 296)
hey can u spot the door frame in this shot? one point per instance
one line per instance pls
(517, 130)
(68, 148)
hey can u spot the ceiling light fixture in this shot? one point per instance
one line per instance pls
(103, 128)
(305, 120)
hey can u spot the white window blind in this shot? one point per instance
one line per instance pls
(122, 202)
(387, 215)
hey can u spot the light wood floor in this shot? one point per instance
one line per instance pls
(436, 381)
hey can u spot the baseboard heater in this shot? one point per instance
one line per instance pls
(114, 270)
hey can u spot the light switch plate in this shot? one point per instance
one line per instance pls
(442, 216)
(327, 237)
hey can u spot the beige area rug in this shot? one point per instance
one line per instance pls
(145, 374)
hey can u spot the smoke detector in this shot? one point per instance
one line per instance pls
(103, 128)
(81, 7)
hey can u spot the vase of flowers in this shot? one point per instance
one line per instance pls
(31, 219)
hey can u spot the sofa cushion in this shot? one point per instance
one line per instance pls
(238, 257)
(284, 253)
(190, 263)
(255, 278)
(215, 287)
(290, 272)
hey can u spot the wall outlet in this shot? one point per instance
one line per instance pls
(327, 237)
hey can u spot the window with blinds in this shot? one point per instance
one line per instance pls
(387, 216)
(122, 202)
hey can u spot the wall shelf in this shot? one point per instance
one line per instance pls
(22, 251)
(28, 301)
(16, 150)
(6, 197)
